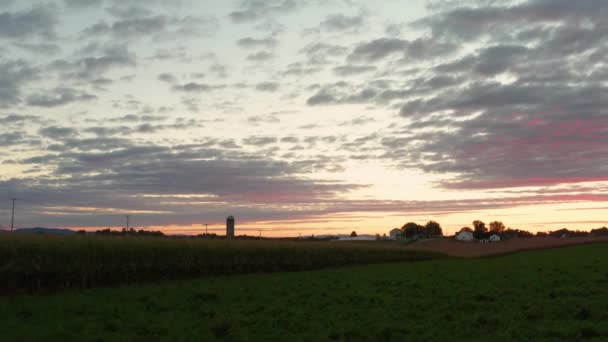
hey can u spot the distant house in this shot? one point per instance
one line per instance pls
(495, 238)
(464, 236)
(395, 233)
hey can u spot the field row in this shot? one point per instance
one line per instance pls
(34, 264)
(549, 295)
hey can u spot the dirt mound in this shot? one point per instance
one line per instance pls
(474, 249)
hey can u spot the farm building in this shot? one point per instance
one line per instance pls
(230, 226)
(464, 236)
(395, 233)
(495, 238)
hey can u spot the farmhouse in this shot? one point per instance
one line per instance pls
(394, 233)
(495, 238)
(464, 236)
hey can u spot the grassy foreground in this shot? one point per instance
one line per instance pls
(552, 295)
(46, 263)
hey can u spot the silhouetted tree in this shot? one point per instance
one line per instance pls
(411, 229)
(497, 227)
(599, 232)
(353, 234)
(479, 229)
(433, 228)
(511, 233)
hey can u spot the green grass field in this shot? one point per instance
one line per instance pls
(552, 295)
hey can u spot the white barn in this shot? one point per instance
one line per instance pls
(464, 236)
(495, 238)
(394, 233)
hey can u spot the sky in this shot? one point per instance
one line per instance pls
(304, 117)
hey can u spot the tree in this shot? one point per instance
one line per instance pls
(479, 229)
(353, 234)
(412, 229)
(465, 229)
(497, 227)
(433, 228)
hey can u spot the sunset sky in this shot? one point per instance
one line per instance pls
(304, 116)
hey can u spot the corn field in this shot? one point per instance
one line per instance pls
(47, 263)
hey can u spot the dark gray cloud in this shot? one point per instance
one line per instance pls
(37, 21)
(157, 27)
(195, 87)
(261, 56)
(322, 53)
(525, 109)
(349, 70)
(58, 133)
(12, 119)
(98, 61)
(82, 4)
(299, 69)
(267, 86)
(343, 23)
(167, 77)
(259, 141)
(249, 42)
(40, 48)
(58, 97)
(418, 49)
(14, 74)
(108, 173)
(252, 10)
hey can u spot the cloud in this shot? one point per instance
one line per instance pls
(267, 86)
(156, 178)
(378, 49)
(167, 77)
(95, 63)
(12, 119)
(252, 10)
(40, 48)
(82, 4)
(37, 21)
(259, 141)
(349, 70)
(58, 133)
(418, 49)
(14, 74)
(524, 109)
(321, 53)
(59, 97)
(249, 42)
(260, 56)
(157, 27)
(343, 23)
(195, 87)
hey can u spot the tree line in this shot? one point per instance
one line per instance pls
(481, 231)
(430, 229)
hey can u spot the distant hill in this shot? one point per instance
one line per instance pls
(42, 230)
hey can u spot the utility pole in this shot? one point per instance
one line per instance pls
(206, 231)
(128, 217)
(13, 215)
